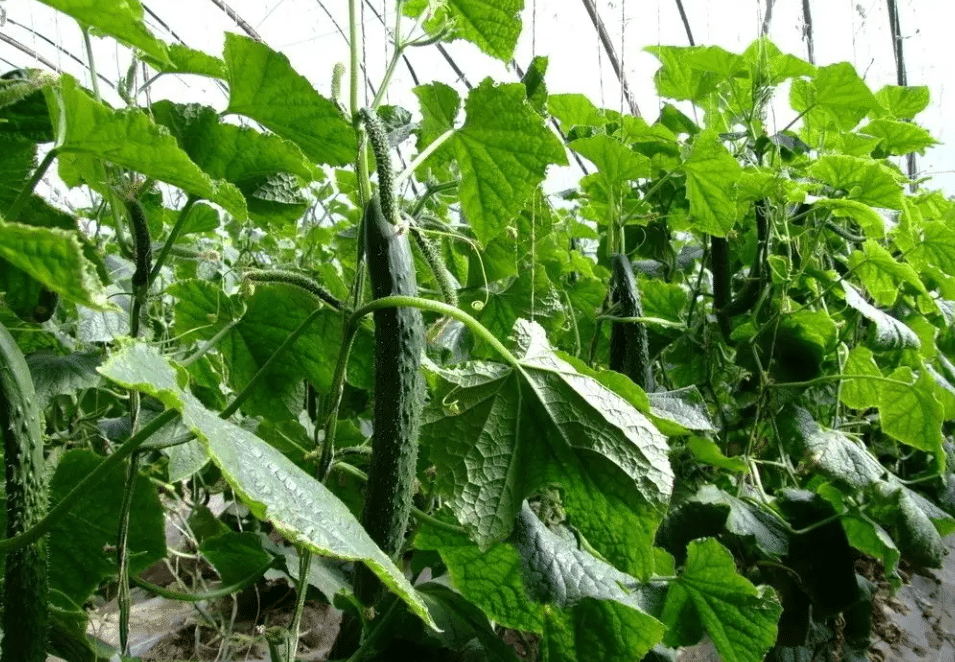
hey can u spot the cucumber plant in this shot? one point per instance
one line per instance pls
(792, 322)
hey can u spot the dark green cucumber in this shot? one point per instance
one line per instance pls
(749, 295)
(629, 345)
(720, 266)
(399, 392)
(25, 614)
(141, 241)
(725, 305)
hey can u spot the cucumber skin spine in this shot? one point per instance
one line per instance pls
(399, 392)
(25, 614)
(629, 344)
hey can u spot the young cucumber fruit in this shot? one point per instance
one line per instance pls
(629, 346)
(399, 391)
(25, 614)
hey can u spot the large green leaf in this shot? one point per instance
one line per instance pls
(236, 556)
(24, 116)
(917, 538)
(574, 110)
(82, 543)
(872, 539)
(226, 151)
(490, 578)
(607, 510)
(55, 258)
(769, 64)
(680, 411)
(860, 393)
(831, 451)
(598, 630)
(868, 219)
(748, 522)
(503, 151)
(557, 572)
(882, 274)
(692, 72)
(911, 413)
(901, 102)
(464, 626)
(899, 137)
(739, 617)
(130, 139)
(591, 611)
(185, 60)
(614, 160)
(439, 105)
(122, 19)
(17, 163)
(259, 324)
(890, 333)
(493, 26)
(274, 489)
(502, 432)
(241, 156)
(263, 86)
(936, 247)
(55, 375)
(711, 177)
(836, 90)
(864, 180)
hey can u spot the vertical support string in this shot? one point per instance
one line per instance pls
(807, 31)
(901, 77)
(686, 22)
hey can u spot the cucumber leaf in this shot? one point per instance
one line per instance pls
(503, 151)
(122, 19)
(273, 488)
(739, 617)
(82, 543)
(263, 86)
(130, 139)
(504, 431)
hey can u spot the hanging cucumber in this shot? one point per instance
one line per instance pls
(749, 295)
(399, 391)
(724, 305)
(25, 614)
(431, 255)
(297, 279)
(629, 346)
(720, 266)
(142, 243)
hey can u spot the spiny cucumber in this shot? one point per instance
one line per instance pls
(378, 137)
(431, 255)
(25, 613)
(298, 280)
(629, 345)
(399, 391)
(142, 244)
